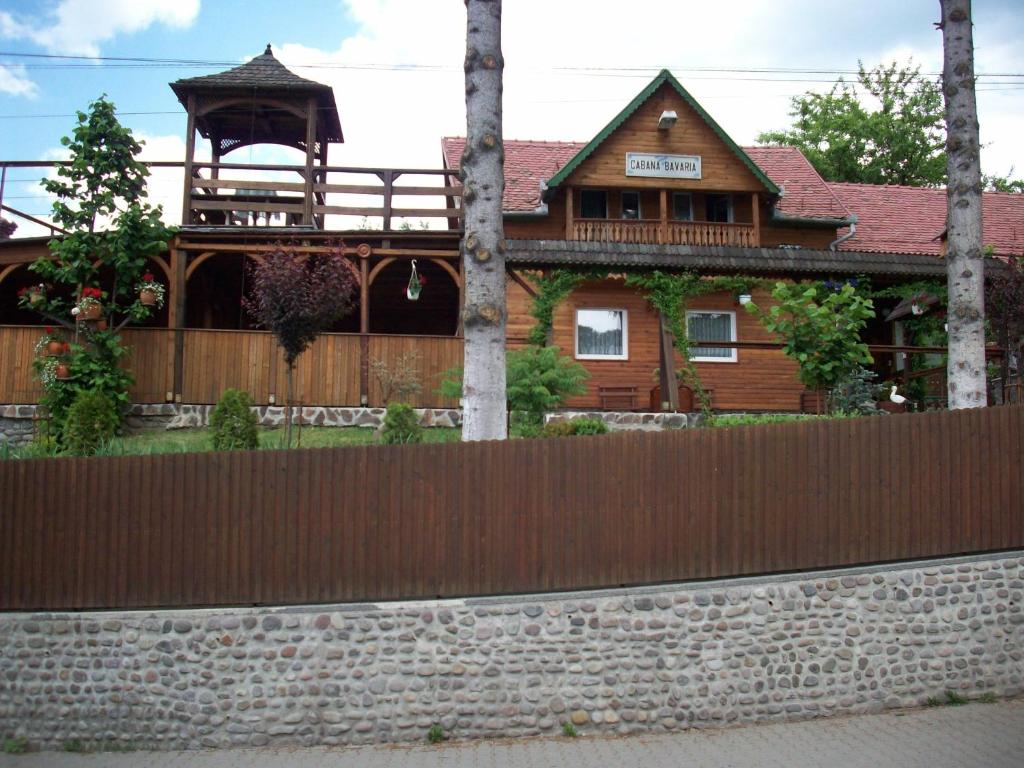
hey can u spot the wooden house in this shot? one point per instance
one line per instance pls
(662, 186)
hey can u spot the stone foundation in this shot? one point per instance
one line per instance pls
(621, 661)
(622, 420)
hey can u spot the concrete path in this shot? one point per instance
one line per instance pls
(982, 735)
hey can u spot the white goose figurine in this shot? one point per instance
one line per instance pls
(898, 399)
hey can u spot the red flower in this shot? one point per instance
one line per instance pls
(22, 291)
(91, 293)
(147, 277)
(48, 329)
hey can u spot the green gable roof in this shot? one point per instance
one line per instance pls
(663, 77)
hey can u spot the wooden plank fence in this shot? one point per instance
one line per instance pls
(389, 522)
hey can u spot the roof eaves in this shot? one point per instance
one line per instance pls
(663, 77)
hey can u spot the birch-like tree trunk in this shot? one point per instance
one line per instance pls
(964, 257)
(483, 246)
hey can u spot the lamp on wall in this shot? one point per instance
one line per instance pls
(744, 298)
(667, 120)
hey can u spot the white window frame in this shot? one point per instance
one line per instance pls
(696, 356)
(625, 333)
(731, 217)
(622, 204)
(596, 218)
(689, 196)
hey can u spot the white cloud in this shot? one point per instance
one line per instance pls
(14, 80)
(79, 27)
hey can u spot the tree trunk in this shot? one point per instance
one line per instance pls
(483, 246)
(964, 262)
(288, 407)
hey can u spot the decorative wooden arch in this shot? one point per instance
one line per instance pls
(160, 262)
(206, 255)
(11, 268)
(208, 107)
(387, 261)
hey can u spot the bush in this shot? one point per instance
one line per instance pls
(573, 427)
(233, 423)
(401, 425)
(91, 421)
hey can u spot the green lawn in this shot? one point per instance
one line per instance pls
(198, 440)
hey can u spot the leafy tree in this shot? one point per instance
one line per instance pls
(965, 377)
(111, 232)
(7, 228)
(898, 141)
(297, 297)
(483, 247)
(820, 330)
(996, 183)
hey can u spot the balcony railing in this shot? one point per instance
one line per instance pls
(654, 232)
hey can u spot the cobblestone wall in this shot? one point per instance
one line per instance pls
(675, 657)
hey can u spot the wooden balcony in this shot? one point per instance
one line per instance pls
(656, 232)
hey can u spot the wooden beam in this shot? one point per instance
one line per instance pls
(388, 177)
(518, 280)
(401, 253)
(176, 318)
(663, 201)
(190, 152)
(667, 372)
(568, 212)
(364, 294)
(756, 206)
(307, 203)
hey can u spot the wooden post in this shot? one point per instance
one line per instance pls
(364, 329)
(568, 212)
(663, 230)
(307, 203)
(388, 177)
(322, 178)
(667, 379)
(756, 207)
(176, 316)
(190, 151)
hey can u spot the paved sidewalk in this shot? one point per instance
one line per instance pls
(982, 735)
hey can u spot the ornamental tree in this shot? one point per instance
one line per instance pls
(297, 297)
(820, 330)
(89, 281)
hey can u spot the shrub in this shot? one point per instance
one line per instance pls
(401, 425)
(558, 429)
(91, 421)
(582, 426)
(233, 423)
(400, 379)
(15, 746)
(436, 733)
(569, 730)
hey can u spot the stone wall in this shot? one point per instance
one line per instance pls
(643, 660)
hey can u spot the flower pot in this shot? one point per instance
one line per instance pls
(101, 324)
(35, 297)
(55, 348)
(91, 312)
(147, 297)
(62, 371)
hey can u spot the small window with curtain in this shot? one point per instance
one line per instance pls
(601, 334)
(682, 206)
(712, 326)
(593, 204)
(631, 205)
(719, 208)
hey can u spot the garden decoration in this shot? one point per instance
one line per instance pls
(412, 292)
(88, 306)
(151, 291)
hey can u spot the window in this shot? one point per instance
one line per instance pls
(631, 205)
(712, 326)
(719, 208)
(593, 204)
(682, 206)
(601, 334)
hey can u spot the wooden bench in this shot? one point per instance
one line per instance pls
(618, 398)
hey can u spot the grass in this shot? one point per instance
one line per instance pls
(436, 734)
(746, 419)
(198, 440)
(15, 746)
(568, 729)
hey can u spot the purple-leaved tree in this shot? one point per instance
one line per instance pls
(297, 297)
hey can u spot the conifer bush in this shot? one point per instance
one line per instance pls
(401, 425)
(233, 422)
(91, 422)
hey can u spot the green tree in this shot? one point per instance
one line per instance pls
(898, 138)
(111, 231)
(820, 330)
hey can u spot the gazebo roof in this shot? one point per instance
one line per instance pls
(262, 77)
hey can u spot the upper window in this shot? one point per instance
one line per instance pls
(631, 205)
(719, 208)
(682, 206)
(593, 204)
(601, 334)
(712, 326)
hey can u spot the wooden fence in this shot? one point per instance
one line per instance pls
(383, 522)
(330, 372)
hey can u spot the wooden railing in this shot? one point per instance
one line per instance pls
(333, 371)
(332, 191)
(654, 232)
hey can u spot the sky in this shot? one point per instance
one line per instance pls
(396, 68)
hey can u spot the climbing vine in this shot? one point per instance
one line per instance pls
(553, 287)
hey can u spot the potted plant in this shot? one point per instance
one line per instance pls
(151, 291)
(50, 344)
(89, 307)
(32, 295)
(61, 371)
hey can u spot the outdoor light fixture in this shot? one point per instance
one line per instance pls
(745, 298)
(667, 120)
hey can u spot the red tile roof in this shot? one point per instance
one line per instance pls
(528, 163)
(894, 219)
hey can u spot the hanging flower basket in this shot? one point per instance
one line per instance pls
(89, 307)
(416, 283)
(33, 295)
(50, 344)
(55, 348)
(61, 371)
(151, 291)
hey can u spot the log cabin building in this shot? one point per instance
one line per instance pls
(662, 186)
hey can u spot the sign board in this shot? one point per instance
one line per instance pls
(663, 166)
